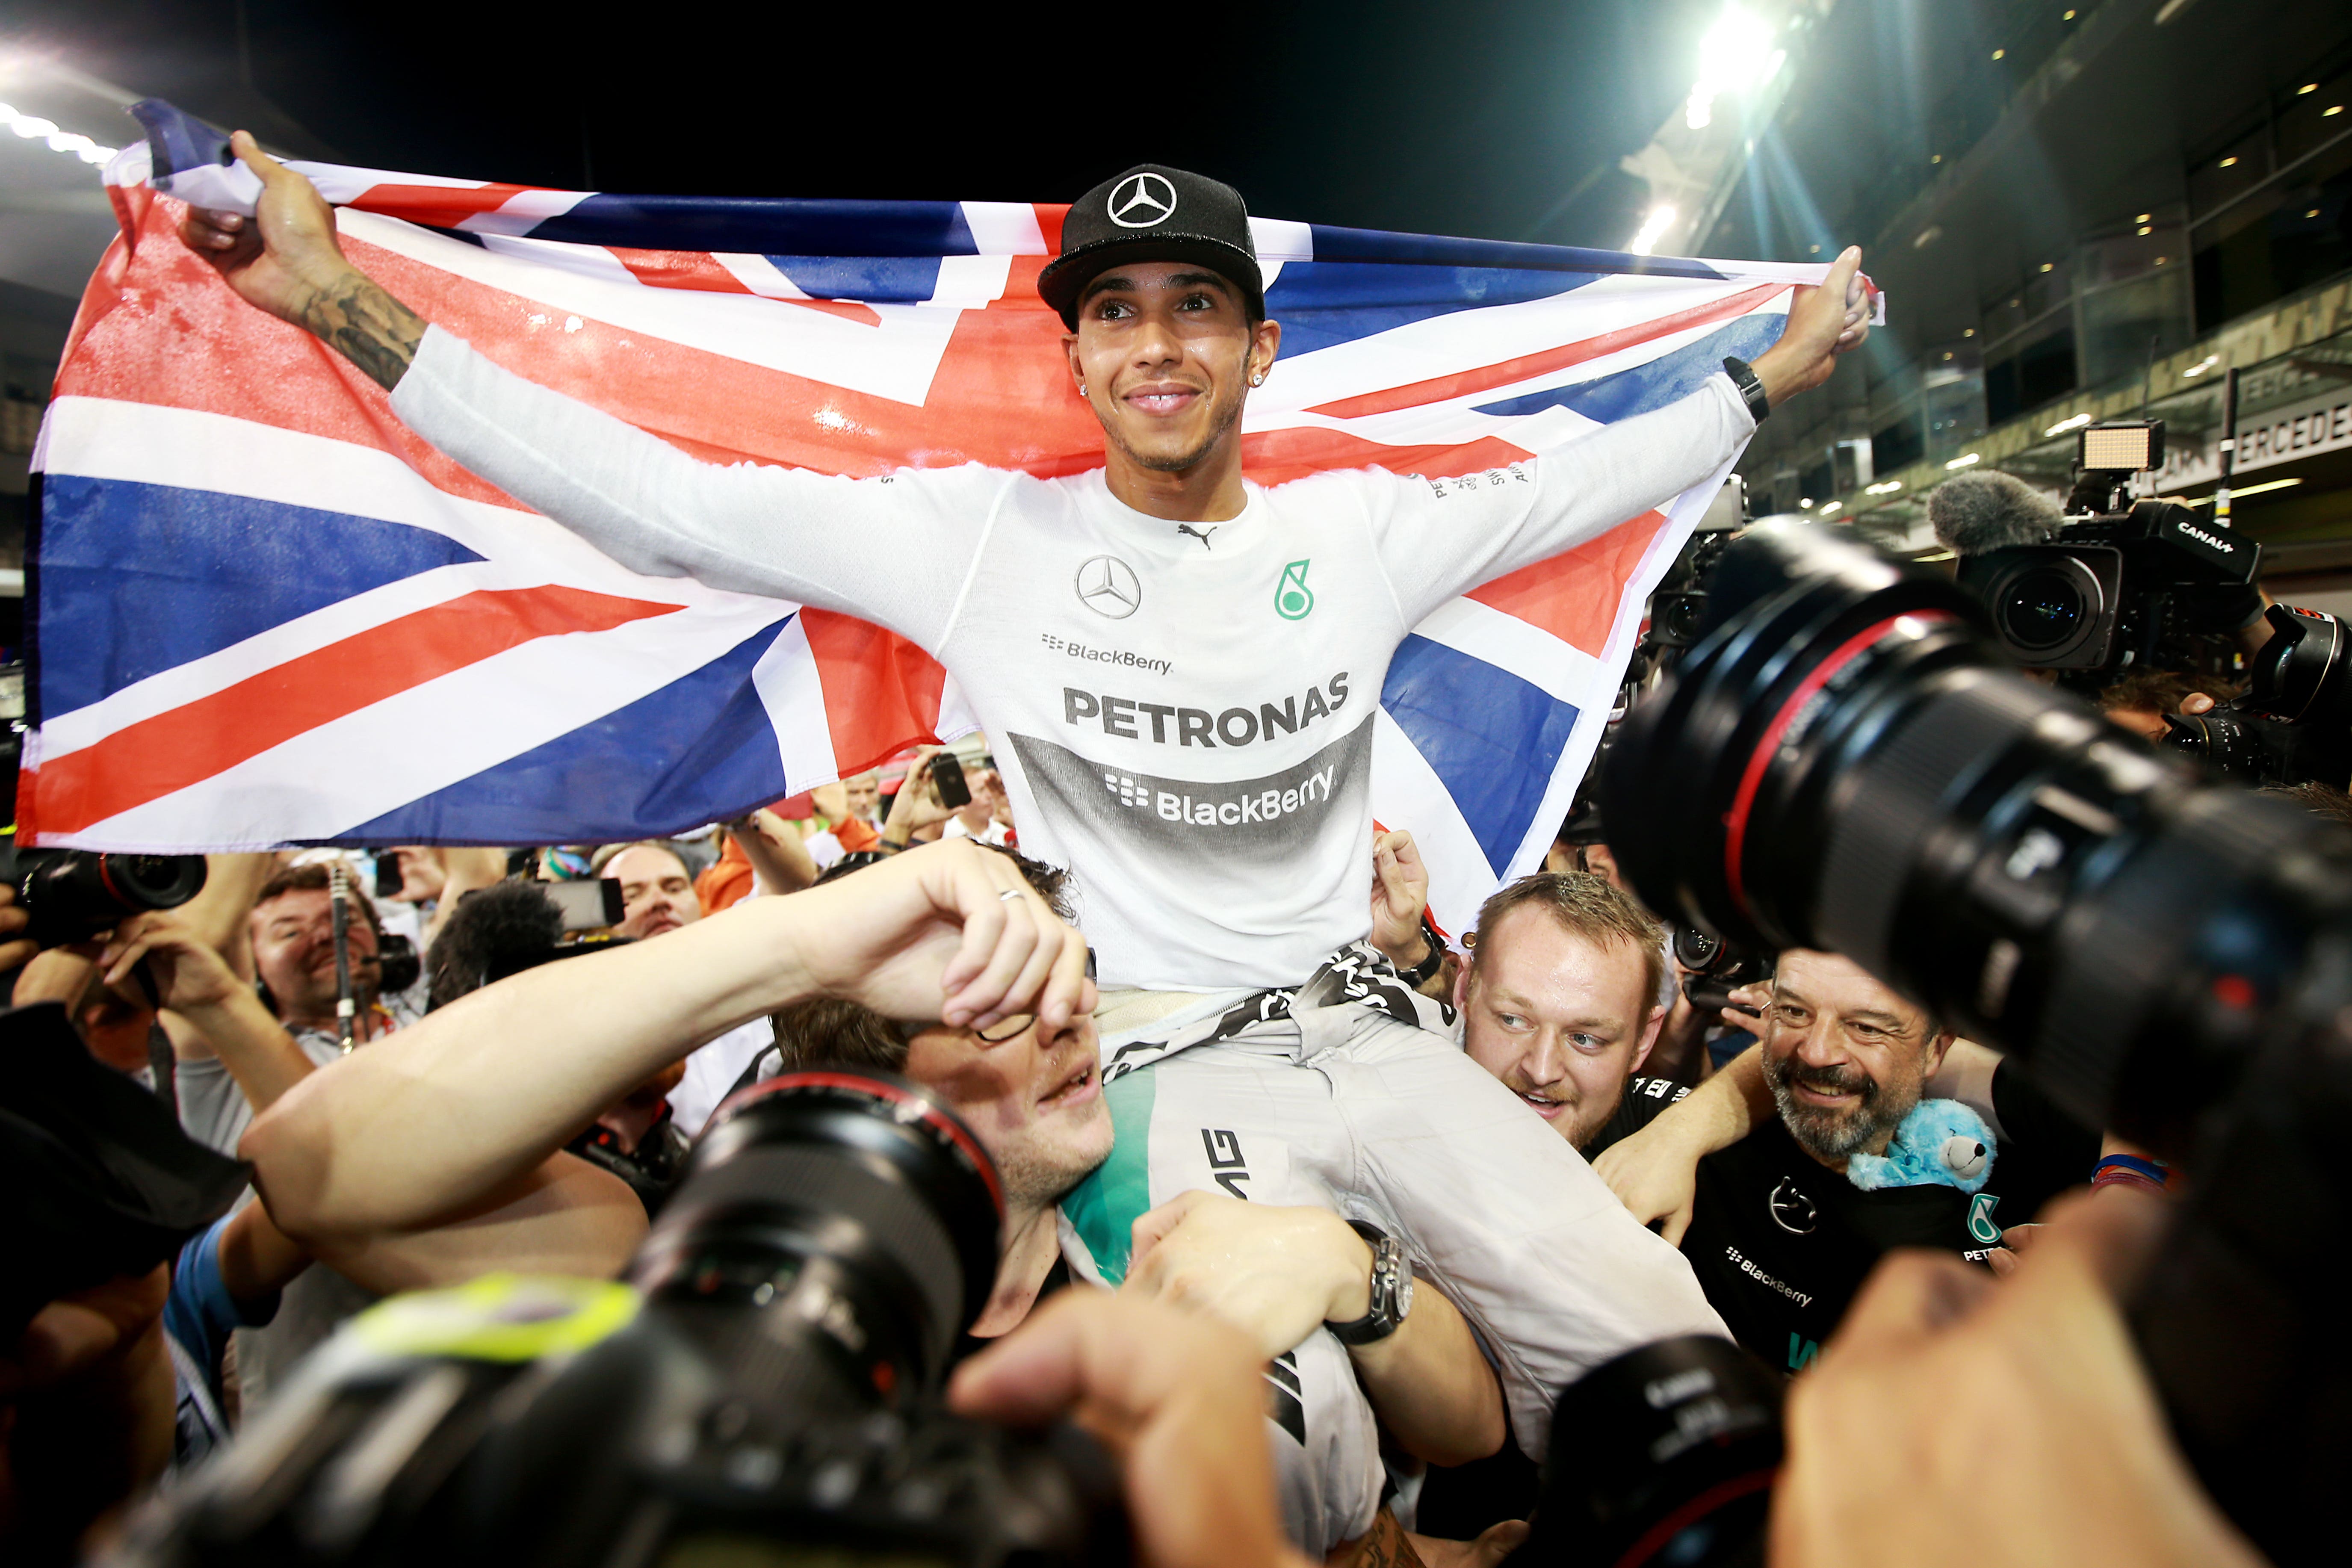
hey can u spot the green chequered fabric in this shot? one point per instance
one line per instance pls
(1104, 1207)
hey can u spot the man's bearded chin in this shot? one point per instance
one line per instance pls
(1833, 1134)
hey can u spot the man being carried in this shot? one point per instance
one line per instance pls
(522, 1063)
(1252, 627)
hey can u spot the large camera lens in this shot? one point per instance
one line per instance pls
(1845, 763)
(71, 895)
(845, 1210)
(1666, 1455)
(2041, 609)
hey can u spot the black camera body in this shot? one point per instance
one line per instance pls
(1843, 762)
(2117, 588)
(2294, 724)
(763, 1388)
(73, 895)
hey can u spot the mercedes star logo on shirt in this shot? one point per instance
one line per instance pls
(1107, 586)
(1141, 200)
(1792, 1210)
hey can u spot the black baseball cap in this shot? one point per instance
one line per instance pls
(1153, 213)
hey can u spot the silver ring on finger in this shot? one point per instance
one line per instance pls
(1007, 896)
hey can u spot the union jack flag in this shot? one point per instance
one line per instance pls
(263, 612)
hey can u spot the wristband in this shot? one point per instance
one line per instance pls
(1419, 974)
(2130, 1170)
(1391, 1290)
(1751, 388)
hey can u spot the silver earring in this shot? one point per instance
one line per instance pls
(1082, 389)
(1257, 379)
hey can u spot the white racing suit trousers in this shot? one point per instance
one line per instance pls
(1351, 1093)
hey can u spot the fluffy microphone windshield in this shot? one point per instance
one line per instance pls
(1972, 513)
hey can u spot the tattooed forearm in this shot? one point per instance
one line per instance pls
(367, 326)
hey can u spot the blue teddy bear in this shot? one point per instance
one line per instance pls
(1941, 1143)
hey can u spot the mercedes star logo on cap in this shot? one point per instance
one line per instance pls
(1142, 200)
(1107, 586)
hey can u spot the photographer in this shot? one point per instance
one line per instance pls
(1749, 1173)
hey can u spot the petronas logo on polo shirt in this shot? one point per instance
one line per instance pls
(1980, 1224)
(1292, 598)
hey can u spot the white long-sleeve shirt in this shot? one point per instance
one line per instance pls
(1181, 713)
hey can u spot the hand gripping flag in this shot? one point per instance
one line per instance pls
(263, 612)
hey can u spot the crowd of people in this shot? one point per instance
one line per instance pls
(501, 1110)
(1310, 1208)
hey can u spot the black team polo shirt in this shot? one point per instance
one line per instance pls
(1782, 1243)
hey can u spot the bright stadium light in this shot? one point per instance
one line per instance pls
(30, 126)
(2064, 425)
(1654, 229)
(1735, 56)
(1965, 459)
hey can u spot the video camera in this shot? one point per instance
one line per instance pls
(764, 1389)
(1844, 762)
(2115, 582)
(2296, 722)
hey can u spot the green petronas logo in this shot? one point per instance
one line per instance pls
(1293, 599)
(1980, 1224)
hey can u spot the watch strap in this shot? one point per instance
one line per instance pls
(1391, 1290)
(1752, 387)
(1419, 974)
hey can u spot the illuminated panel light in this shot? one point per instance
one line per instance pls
(29, 126)
(2202, 365)
(2120, 451)
(2000, 54)
(2330, 110)
(2230, 163)
(2145, 229)
(2064, 425)
(1886, 488)
(2306, 87)
(1828, 507)
(1965, 459)
(2249, 490)
(1654, 229)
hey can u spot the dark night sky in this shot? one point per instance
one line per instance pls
(1501, 118)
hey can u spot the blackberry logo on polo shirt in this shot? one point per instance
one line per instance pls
(1243, 823)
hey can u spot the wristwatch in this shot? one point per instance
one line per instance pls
(1418, 976)
(1743, 376)
(1391, 1292)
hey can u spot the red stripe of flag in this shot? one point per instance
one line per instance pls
(1444, 388)
(150, 759)
(1574, 596)
(439, 207)
(881, 692)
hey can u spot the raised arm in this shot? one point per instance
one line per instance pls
(441, 1115)
(750, 527)
(1441, 538)
(221, 1014)
(779, 859)
(284, 259)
